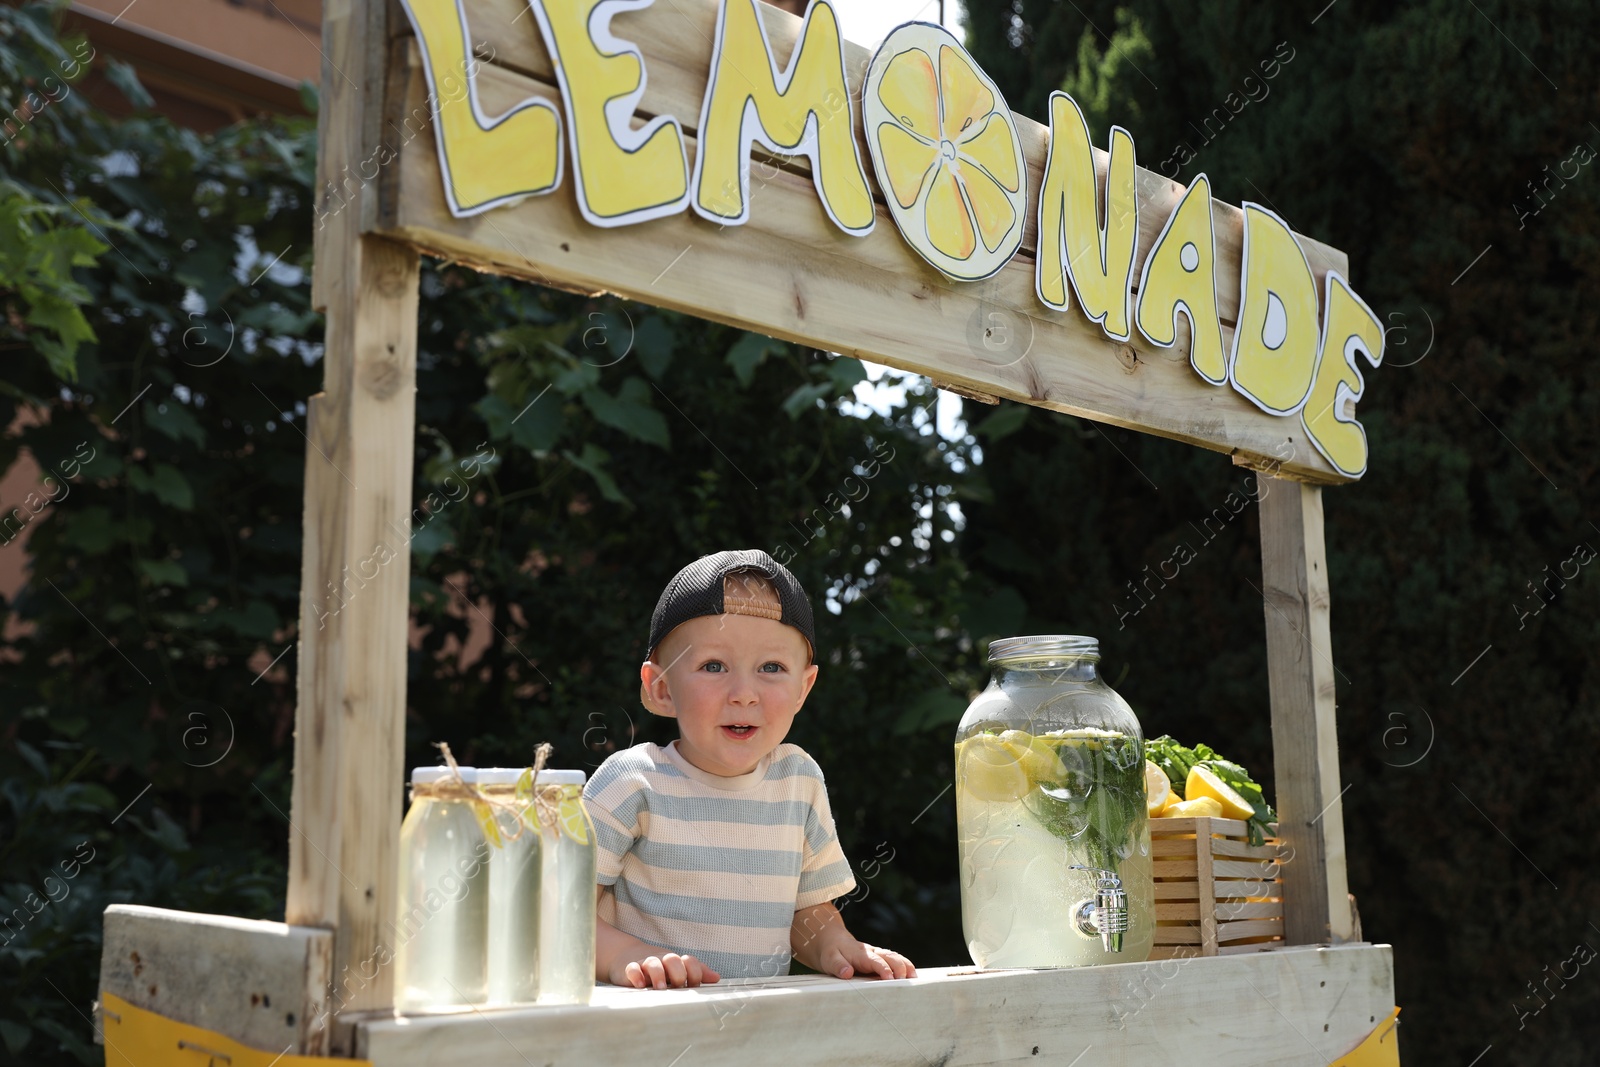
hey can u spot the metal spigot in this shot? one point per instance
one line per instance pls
(1107, 913)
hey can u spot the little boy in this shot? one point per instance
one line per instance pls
(717, 853)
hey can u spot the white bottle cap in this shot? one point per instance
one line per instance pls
(510, 775)
(434, 775)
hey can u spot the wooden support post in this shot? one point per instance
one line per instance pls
(355, 576)
(1305, 743)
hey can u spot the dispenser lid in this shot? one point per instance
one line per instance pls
(1039, 646)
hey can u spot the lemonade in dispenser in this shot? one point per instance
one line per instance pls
(1051, 819)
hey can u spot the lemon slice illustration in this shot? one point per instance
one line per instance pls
(946, 152)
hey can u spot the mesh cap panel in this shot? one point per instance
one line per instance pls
(697, 590)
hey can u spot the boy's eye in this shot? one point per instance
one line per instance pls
(713, 666)
(773, 667)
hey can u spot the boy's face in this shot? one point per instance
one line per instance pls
(734, 683)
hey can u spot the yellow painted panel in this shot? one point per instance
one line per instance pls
(486, 161)
(138, 1038)
(1380, 1049)
(1349, 327)
(623, 175)
(1073, 243)
(1275, 341)
(1180, 277)
(803, 110)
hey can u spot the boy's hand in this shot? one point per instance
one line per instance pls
(624, 960)
(849, 957)
(821, 941)
(666, 971)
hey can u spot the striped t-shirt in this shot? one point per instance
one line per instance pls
(711, 866)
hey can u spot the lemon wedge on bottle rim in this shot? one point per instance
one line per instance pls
(573, 820)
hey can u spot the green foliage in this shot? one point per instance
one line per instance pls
(1176, 761)
(40, 245)
(571, 455)
(1407, 135)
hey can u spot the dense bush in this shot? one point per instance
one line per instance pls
(1407, 135)
(148, 687)
(160, 348)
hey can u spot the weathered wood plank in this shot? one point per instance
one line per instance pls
(1305, 742)
(1231, 889)
(791, 274)
(1275, 1005)
(1179, 935)
(262, 983)
(1220, 869)
(350, 720)
(1249, 928)
(1205, 876)
(1233, 910)
(1245, 850)
(1190, 826)
(355, 571)
(1169, 847)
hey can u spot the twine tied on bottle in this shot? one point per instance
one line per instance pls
(545, 801)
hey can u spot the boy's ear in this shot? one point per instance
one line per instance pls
(808, 679)
(653, 691)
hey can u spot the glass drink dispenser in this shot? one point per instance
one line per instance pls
(1051, 819)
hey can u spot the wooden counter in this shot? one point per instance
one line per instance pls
(1295, 1006)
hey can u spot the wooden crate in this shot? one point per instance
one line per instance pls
(1216, 894)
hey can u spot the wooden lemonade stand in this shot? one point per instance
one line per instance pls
(433, 141)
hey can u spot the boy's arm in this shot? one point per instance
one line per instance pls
(624, 960)
(818, 938)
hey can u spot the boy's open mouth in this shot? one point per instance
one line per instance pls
(739, 730)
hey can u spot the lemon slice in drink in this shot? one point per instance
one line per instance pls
(946, 152)
(1203, 782)
(1157, 790)
(1036, 756)
(989, 770)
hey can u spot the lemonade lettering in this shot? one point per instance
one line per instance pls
(950, 167)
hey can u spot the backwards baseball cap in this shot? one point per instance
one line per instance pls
(699, 589)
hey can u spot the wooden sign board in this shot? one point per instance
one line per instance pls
(791, 268)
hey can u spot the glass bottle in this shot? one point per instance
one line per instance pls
(567, 899)
(442, 926)
(514, 882)
(1049, 778)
